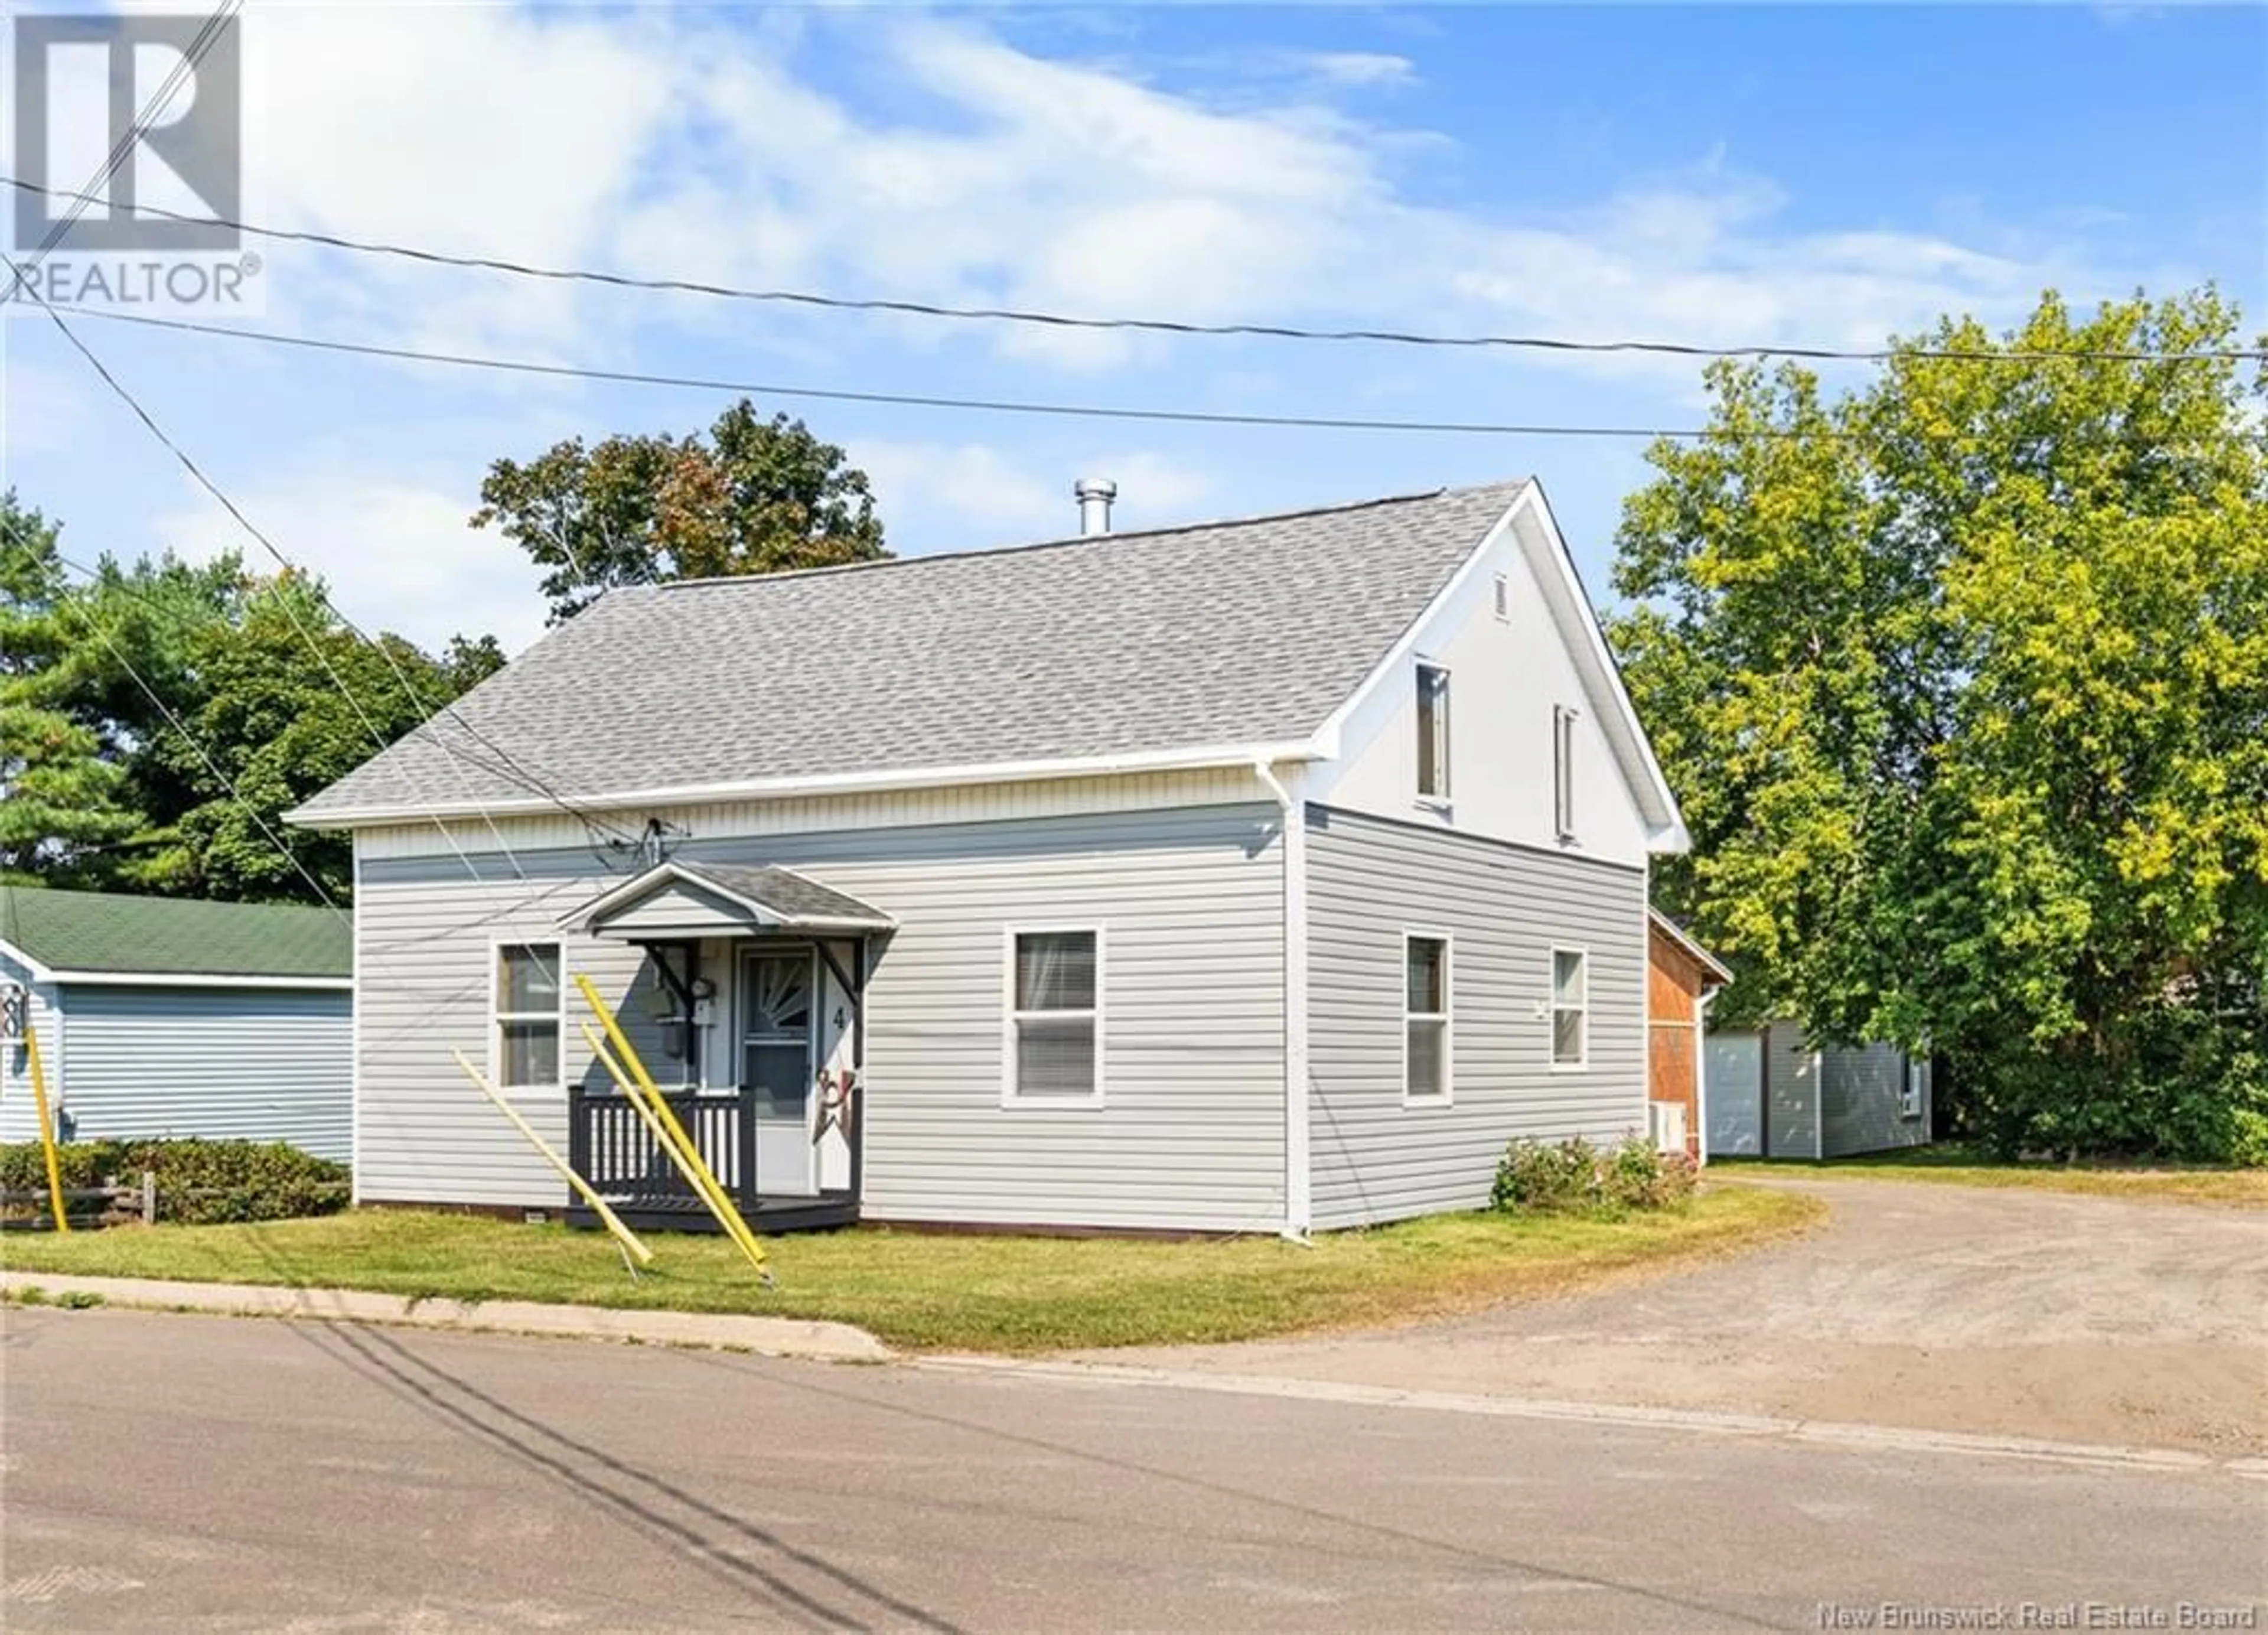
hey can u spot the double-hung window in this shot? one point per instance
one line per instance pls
(1432, 732)
(528, 1009)
(1055, 1009)
(1571, 1007)
(1425, 1019)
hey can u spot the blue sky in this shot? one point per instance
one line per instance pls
(1817, 174)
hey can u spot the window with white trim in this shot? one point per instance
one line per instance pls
(1562, 770)
(1432, 732)
(1911, 1098)
(530, 1006)
(1571, 1007)
(1425, 1019)
(1055, 1006)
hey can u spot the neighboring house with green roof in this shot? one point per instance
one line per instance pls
(160, 1016)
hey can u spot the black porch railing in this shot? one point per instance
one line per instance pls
(611, 1146)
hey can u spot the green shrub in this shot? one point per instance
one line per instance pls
(199, 1183)
(1574, 1177)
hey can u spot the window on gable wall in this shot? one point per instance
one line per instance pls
(1432, 732)
(1562, 770)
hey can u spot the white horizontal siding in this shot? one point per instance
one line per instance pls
(1504, 909)
(1190, 1135)
(222, 1064)
(907, 808)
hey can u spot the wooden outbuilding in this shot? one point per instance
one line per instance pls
(1681, 976)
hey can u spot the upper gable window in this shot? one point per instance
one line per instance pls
(1562, 770)
(1432, 731)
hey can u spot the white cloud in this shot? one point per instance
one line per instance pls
(42, 409)
(666, 143)
(962, 496)
(396, 555)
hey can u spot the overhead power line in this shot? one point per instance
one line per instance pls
(916, 399)
(1156, 326)
(911, 399)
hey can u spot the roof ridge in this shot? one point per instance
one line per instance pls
(1254, 519)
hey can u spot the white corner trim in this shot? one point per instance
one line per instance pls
(1299, 1168)
(1193, 760)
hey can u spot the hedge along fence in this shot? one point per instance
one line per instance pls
(191, 1182)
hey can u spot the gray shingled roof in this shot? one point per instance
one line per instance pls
(795, 898)
(1231, 633)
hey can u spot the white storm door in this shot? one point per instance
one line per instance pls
(777, 1002)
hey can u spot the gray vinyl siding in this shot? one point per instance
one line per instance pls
(1860, 1090)
(1791, 1094)
(1504, 909)
(221, 1064)
(19, 1118)
(1189, 1134)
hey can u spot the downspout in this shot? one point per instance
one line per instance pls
(1700, 1076)
(1298, 1180)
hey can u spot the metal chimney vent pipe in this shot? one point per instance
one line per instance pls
(1094, 497)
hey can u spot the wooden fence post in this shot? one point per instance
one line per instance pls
(148, 1197)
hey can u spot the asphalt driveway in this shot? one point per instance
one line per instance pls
(1937, 1307)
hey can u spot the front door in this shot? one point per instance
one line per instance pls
(776, 1007)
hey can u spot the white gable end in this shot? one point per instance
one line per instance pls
(1509, 672)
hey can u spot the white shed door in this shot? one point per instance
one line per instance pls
(1732, 1065)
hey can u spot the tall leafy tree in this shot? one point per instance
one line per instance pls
(752, 496)
(288, 700)
(1963, 679)
(63, 801)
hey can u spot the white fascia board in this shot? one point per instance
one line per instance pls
(1665, 826)
(39, 972)
(639, 887)
(1333, 730)
(180, 979)
(837, 784)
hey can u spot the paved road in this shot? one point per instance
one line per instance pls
(192, 1473)
(1933, 1305)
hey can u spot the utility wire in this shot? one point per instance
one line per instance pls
(997, 406)
(109, 586)
(425, 711)
(96, 190)
(1155, 326)
(181, 731)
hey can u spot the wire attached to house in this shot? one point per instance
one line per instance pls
(1154, 326)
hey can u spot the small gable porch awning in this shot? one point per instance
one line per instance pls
(678, 901)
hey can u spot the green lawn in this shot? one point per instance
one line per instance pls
(1955, 1165)
(950, 1292)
